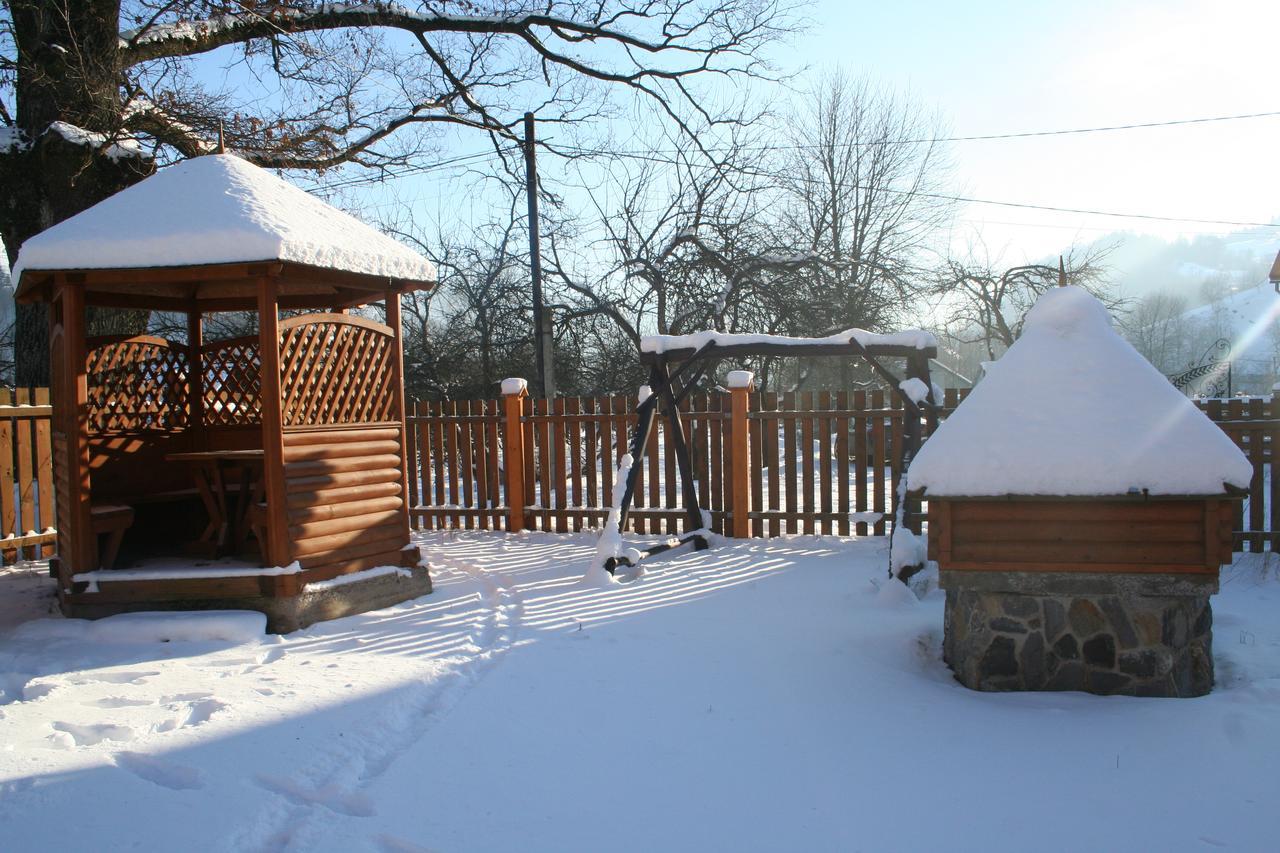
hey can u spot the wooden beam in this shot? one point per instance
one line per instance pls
(277, 546)
(195, 378)
(397, 395)
(140, 301)
(84, 547)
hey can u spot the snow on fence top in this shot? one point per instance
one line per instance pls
(914, 339)
(218, 209)
(1072, 409)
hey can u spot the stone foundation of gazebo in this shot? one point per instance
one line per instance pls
(1133, 634)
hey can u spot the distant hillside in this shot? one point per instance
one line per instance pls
(1249, 319)
(1198, 269)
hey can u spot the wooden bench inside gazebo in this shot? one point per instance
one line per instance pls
(284, 448)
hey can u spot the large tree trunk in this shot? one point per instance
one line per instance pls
(68, 71)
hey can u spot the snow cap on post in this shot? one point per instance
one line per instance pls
(1071, 410)
(514, 385)
(740, 379)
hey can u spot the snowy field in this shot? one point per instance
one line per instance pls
(764, 695)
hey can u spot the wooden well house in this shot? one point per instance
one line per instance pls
(236, 472)
(1079, 510)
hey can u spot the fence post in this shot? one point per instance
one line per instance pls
(513, 393)
(740, 385)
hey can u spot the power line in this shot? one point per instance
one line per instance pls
(971, 200)
(650, 156)
(1029, 134)
(1089, 212)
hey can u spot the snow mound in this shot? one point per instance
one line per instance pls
(1073, 409)
(213, 210)
(915, 390)
(232, 626)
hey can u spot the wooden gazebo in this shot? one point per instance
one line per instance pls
(290, 440)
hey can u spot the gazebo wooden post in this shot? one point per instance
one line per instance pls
(74, 424)
(276, 548)
(397, 394)
(195, 378)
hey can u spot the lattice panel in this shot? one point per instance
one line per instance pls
(137, 384)
(232, 382)
(336, 371)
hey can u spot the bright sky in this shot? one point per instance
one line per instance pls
(1010, 66)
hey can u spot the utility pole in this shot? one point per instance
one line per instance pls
(542, 337)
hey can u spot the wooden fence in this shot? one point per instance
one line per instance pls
(26, 475)
(1254, 425)
(820, 462)
(831, 467)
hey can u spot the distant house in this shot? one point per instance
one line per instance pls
(1274, 276)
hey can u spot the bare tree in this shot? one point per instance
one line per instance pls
(823, 225)
(1159, 329)
(95, 93)
(983, 303)
(862, 177)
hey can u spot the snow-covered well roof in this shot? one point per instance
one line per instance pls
(1072, 409)
(217, 209)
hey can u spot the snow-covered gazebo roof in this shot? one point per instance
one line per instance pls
(217, 210)
(1073, 410)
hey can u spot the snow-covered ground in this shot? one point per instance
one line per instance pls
(763, 695)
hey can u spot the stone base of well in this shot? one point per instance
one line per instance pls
(1132, 634)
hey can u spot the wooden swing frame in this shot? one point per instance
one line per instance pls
(669, 387)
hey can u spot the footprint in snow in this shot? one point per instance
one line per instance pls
(37, 691)
(88, 735)
(193, 714)
(392, 844)
(330, 796)
(118, 702)
(184, 697)
(166, 774)
(135, 676)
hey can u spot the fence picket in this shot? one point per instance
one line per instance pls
(669, 475)
(26, 471)
(573, 426)
(860, 452)
(44, 472)
(787, 469)
(842, 463)
(824, 463)
(770, 435)
(879, 453)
